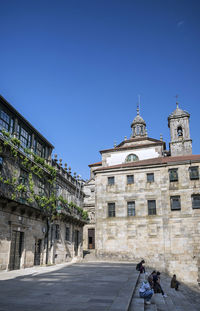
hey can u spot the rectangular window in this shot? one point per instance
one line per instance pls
(175, 202)
(39, 149)
(11, 126)
(41, 187)
(23, 179)
(25, 138)
(111, 180)
(4, 121)
(57, 232)
(150, 177)
(173, 174)
(130, 179)
(43, 152)
(196, 201)
(111, 209)
(194, 172)
(151, 207)
(131, 208)
(67, 234)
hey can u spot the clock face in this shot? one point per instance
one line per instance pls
(132, 157)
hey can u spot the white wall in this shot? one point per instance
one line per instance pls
(120, 156)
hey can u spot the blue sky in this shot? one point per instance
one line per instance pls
(74, 69)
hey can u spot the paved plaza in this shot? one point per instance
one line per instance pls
(82, 286)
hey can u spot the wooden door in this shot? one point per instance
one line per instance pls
(38, 243)
(16, 249)
(91, 238)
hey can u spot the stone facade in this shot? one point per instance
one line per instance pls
(89, 206)
(41, 215)
(147, 204)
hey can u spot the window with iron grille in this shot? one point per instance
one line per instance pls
(131, 208)
(151, 207)
(67, 234)
(173, 174)
(150, 177)
(175, 202)
(194, 172)
(57, 232)
(196, 201)
(111, 209)
(111, 180)
(130, 179)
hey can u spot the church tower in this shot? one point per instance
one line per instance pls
(138, 126)
(178, 122)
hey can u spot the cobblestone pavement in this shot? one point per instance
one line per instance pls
(83, 286)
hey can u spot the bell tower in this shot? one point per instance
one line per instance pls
(178, 122)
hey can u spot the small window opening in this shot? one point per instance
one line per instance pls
(180, 131)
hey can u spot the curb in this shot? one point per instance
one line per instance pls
(123, 300)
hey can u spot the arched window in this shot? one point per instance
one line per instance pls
(132, 157)
(180, 131)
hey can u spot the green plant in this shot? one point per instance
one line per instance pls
(42, 170)
(6, 134)
(16, 141)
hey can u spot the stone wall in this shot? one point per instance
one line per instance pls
(168, 241)
(34, 229)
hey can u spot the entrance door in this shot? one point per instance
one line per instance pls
(37, 252)
(91, 238)
(16, 249)
(76, 242)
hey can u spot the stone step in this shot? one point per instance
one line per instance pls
(179, 302)
(170, 305)
(160, 302)
(137, 303)
(151, 307)
(89, 256)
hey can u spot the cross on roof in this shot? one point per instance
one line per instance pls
(176, 101)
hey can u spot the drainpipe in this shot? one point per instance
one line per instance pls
(47, 246)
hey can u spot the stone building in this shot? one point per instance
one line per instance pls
(147, 200)
(41, 215)
(89, 206)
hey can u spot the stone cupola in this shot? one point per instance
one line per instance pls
(138, 126)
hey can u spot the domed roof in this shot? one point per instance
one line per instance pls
(138, 119)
